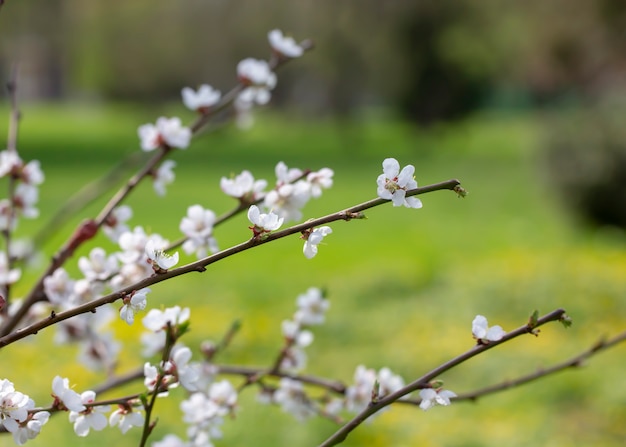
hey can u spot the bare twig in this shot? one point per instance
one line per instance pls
(574, 362)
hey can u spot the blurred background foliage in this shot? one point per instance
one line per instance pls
(523, 101)
(424, 61)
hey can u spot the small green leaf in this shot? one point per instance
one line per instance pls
(532, 321)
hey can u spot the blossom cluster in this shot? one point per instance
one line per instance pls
(16, 414)
(25, 179)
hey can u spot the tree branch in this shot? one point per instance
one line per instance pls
(340, 435)
(354, 212)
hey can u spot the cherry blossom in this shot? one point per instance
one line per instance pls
(257, 78)
(164, 176)
(185, 373)
(483, 333)
(255, 72)
(133, 245)
(126, 418)
(224, 395)
(157, 320)
(202, 99)
(314, 239)
(59, 288)
(393, 184)
(98, 266)
(284, 45)
(32, 173)
(293, 400)
(243, 186)
(167, 131)
(160, 260)
(30, 428)
(7, 275)
(388, 382)
(91, 417)
(14, 406)
(10, 163)
(197, 226)
(322, 179)
(431, 397)
(25, 197)
(263, 223)
(312, 307)
(134, 303)
(69, 398)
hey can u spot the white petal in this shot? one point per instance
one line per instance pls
(391, 167)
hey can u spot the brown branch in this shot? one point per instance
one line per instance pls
(340, 435)
(574, 362)
(354, 212)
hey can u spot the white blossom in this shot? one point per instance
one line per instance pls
(224, 395)
(257, 78)
(10, 163)
(293, 400)
(288, 199)
(255, 72)
(168, 131)
(8, 217)
(98, 266)
(388, 382)
(158, 258)
(157, 320)
(186, 374)
(393, 184)
(202, 99)
(91, 417)
(164, 176)
(294, 332)
(322, 179)
(59, 288)
(312, 307)
(482, 331)
(25, 197)
(68, 397)
(32, 173)
(263, 222)
(284, 45)
(134, 303)
(243, 186)
(431, 397)
(197, 226)
(14, 406)
(31, 428)
(133, 245)
(7, 275)
(314, 239)
(126, 418)
(359, 395)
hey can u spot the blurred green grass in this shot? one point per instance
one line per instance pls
(404, 284)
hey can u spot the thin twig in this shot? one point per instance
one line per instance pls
(574, 362)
